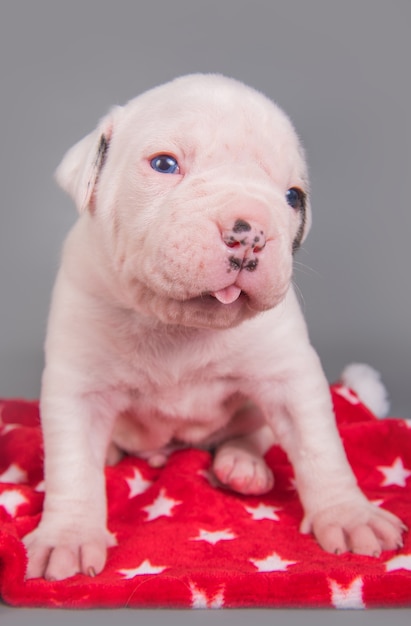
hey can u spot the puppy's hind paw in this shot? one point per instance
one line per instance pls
(242, 471)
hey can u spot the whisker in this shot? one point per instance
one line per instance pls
(305, 269)
(300, 296)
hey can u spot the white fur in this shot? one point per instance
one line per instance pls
(161, 333)
(367, 383)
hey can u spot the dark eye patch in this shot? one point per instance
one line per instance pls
(296, 199)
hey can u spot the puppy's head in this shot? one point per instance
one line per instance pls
(198, 191)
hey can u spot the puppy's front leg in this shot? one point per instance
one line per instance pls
(336, 510)
(72, 535)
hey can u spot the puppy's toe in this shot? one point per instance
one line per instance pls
(63, 563)
(38, 557)
(363, 540)
(389, 532)
(67, 561)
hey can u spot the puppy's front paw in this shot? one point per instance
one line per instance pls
(361, 528)
(59, 551)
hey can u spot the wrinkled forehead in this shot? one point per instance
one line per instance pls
(198, 117)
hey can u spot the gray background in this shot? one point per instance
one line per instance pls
(339, 68)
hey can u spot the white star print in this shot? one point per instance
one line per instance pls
(14, 474)
(11, 500)
(346, 393)
(7, 428)
(395, 474)
(262, 511)
(137, 484)
(349, 597)
(144, 568)
(272, 563)
(402, 561)
(113, 539)
(215, 536)
(162, 505)
(293, 485)
(200, 600)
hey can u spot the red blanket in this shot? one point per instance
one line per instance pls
(184, 542)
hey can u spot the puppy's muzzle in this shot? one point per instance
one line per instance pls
(245, 240)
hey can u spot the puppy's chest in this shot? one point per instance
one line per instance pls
(180, 384)
(193, 402)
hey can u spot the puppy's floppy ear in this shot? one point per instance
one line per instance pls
(80, 168)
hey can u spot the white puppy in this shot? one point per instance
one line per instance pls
(174, 321)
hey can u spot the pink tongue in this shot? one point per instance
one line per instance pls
(227, 295)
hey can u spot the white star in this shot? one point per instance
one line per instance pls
(347, 597)
(11, 500)
(137, 484)
(144, 568)
(272, 563)
(395, 474)
(293, 485)
(14, 474)
(41, 486)
(199, 599)
(7, 428)
(262, 511)
(113, 539)
(161, 506)
(214, 537)
(346, 393)
(402, 561)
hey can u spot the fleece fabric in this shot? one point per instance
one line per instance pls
(184, 541)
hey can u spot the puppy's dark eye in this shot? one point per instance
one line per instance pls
(165, 164)
(295, 198)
